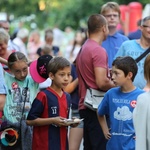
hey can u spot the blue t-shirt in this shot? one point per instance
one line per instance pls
(133, 49)
(119, 106)
(112, 44)
(74, 95)
(135, 35)
(2, 84)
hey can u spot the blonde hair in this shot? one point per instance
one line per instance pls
(110, 5)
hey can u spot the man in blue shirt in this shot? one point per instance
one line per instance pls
(111, 11)
(135, 48)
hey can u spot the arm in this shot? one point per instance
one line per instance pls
(56, 121)
(2, 101)
(3, 61)
(71, 86)
(102, 80)
(2, 88)
(103, 123)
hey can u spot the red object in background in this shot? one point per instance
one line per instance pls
(124, 9)
(124, 18)
(135, 14)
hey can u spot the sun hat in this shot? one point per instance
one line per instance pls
(38, 68)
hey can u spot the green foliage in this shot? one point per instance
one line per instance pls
(63, 13)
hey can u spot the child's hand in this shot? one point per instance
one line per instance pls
(59, 121)
(74, 122)
(107, 134)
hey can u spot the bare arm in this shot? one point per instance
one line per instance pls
(57, 121)
(102, 81)
(2, 101)
(3, 61)
(103, 123)
(71, 86)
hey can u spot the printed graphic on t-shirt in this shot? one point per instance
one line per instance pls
(123, 113)
(20, 99)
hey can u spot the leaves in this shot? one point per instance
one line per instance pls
(61, 12)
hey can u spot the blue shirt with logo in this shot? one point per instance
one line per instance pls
(119, 107)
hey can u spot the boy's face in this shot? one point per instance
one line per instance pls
(61, 78)
(118, 76)
(112, 18)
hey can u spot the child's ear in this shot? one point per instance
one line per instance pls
(51, 76)
(130, 74)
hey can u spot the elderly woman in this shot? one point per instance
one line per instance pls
(4, 38)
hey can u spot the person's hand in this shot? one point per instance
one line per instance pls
(76, 120)
(59, 121)
(107, 134)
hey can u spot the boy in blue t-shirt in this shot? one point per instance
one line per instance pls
(118, 104)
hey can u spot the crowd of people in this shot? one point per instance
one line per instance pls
(44, 83)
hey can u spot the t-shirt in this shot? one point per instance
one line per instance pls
(91, 56)
(2, 84)
(135, 35)
(17, 93)
(49, 104)
(74, 95)
(119, 106)
(141, 121)
(133, 49)
(112, 45)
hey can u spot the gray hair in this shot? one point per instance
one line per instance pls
(23, 33)
(144, 20)
(4, 36)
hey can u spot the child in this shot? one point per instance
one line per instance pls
(142, 113)
(119, 103)
(21, 91)
(50, 109)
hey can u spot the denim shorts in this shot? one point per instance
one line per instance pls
(75, 113)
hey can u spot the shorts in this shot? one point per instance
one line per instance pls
(75, 113)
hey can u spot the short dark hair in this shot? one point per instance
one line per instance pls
(126, 64)
(95, 23)
(57, 63)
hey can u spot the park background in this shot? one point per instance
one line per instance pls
(62, 13)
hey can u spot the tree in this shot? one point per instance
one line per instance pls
(56, 12)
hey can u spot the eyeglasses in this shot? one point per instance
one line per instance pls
(145, 26)
(111, 15)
